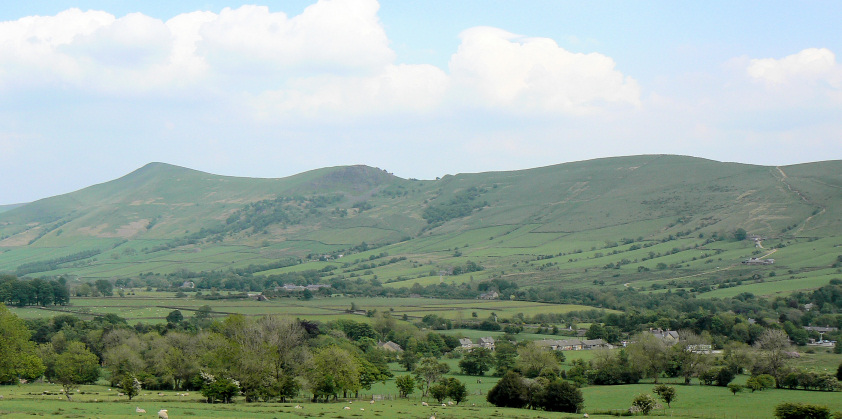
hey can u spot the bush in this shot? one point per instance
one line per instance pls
(760, 382)
(510, 391)
(801, 411)
(561, 396)
(735, 388)
(666, 393)
(643, 403)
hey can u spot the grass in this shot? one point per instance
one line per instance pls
(541, 226)
(23, 401)
(153, 307)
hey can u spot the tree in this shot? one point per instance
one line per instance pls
(740, 234)
(408, 360)
(439, 391)
(773, 359)
(19, 355)
(649, 354)
(222, 389)
(561, 396)
(510, 391)
(105, 287)
(405, 384)
(839, 372)
(666, 393)
(735, 388)
(534, 361)
(429, 371)
(457, 390)
(476, 362)
(340, 366)
(175, 317)
(76, 365)
(131, 386)
(505, 355)
(689, 356)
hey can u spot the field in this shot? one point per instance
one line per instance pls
(695, 401)
(153, 307)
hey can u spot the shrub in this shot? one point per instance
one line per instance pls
(561, 396)
(405, 384)
(666, 393)
(801, 411)
(735, 388)
(508, 392)
(643, 403)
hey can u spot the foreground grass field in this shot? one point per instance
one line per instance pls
(694, 401)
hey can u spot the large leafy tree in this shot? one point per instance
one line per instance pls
(18, 355)
(774, 356)
(561, 396)
(649, 354)
(76, 365)
(429, 371)
(689, 356)
(477, 362)
(337, 365)
(510, 391)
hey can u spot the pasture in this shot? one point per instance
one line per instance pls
(695, 401)
(153, 307)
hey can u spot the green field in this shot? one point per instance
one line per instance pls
(695, 401)
(153, 307)
(638, 221)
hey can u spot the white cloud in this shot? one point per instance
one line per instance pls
(498, 69)
(809, 65)
(331, 60)
(397, 88)
(334, 37)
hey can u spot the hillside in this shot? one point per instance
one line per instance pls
(654, 221)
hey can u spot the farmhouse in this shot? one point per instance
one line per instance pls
(468, 344)
(492, 295)
(573, 344)
(390, 346)
(758, 261)
(820, 329)
(487, 343)
(668, 336)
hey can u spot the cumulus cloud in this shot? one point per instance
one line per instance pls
(332, 59)
(338, 36)
(501, 69)
(809, 65)
(397, 88)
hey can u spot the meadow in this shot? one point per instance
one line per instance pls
(694, 401)
(153, 307)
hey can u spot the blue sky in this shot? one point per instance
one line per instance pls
(421, 89)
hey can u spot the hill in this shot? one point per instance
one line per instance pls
(653, 222)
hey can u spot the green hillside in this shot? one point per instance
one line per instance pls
(652, 222)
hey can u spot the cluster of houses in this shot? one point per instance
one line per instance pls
(573, 344)
(468, 344)
(491, 295)
(311, 287)
(758, 261)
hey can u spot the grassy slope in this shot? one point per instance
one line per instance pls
(568, 215)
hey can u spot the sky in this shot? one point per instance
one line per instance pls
(91, 90)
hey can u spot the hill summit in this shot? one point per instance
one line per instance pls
(163, 219)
